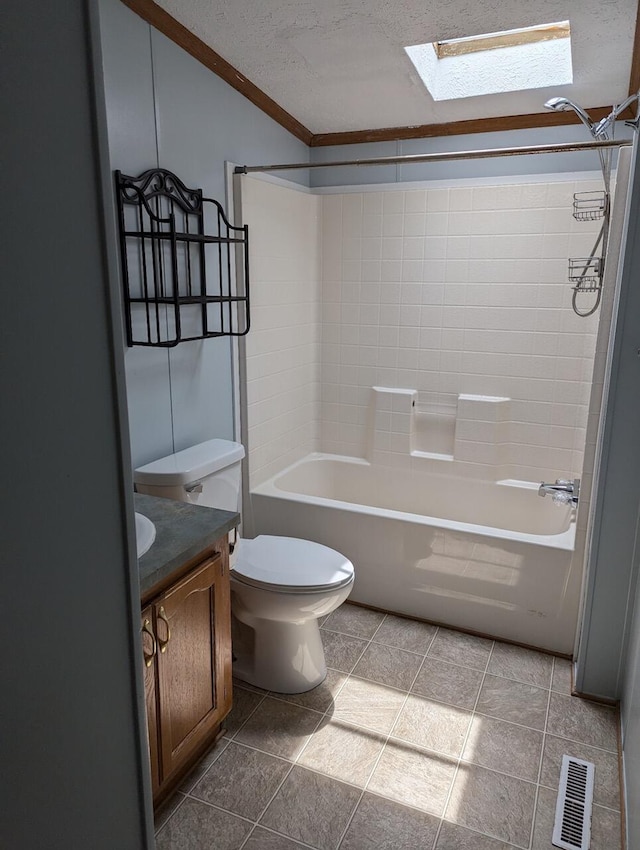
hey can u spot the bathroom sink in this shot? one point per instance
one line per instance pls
(145, 534)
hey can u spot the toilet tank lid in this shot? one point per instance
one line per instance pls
(190, 464)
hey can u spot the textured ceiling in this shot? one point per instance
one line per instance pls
(339, 65)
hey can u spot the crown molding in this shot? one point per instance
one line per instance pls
(174, 30)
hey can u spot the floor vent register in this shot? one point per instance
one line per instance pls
(572, 827)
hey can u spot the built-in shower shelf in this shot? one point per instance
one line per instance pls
(185, 267)
(590, 206)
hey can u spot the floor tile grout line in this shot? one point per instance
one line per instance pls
(180, 804)
(197, 781)
(265, 752)
(271, 799)
(388, 739)
(388, 645)
(253, 823)
(250, 715)
(382, 749)
(379, 626)
(581, 743)
(519, 681)
(598, 805)
(348, 676)
(220, 809)
(510, 722)
(536, 796)
(507, 845)
(283, 698)
(280, 834)
(462, 749)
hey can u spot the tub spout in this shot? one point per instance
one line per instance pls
(563, 491)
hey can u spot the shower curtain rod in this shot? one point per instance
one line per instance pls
(409, 159)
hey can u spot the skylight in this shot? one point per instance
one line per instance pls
(513, 60)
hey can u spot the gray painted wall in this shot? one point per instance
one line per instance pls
(630, 719)
(72, 742)
(497, 167)
(165, 108)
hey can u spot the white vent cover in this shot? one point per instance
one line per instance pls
(572, 827)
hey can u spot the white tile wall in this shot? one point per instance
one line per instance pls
(459, 290)
(283, 346)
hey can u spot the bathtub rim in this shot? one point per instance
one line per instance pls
(565, 540)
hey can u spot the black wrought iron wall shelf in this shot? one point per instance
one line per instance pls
(185, 267)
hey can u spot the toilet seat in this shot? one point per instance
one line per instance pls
(291, 565)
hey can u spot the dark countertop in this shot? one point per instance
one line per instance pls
(182, 532)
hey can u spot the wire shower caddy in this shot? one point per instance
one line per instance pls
(586, 273)
(185, 266)
(590, 206)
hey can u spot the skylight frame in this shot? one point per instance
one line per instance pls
(508, 38)
(496, 63)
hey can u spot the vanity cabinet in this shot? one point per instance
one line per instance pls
(186, 635)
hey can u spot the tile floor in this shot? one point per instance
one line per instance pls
(420, 737)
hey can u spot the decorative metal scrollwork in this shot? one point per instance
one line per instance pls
(160, 182)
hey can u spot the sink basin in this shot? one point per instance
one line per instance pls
(145, 534)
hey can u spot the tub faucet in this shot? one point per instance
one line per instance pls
(563, 492)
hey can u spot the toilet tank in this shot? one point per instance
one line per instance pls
(207, 474)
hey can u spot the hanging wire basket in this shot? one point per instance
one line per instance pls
(590, 206)
(586, 273)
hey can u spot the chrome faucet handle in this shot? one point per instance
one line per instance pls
(562, 497)
(563, 486)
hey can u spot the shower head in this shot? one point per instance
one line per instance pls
(563, 104)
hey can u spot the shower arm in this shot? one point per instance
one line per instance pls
(601, 128)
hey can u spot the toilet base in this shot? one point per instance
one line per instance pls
(286, 658)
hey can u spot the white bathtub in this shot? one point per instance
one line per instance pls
(492, 558)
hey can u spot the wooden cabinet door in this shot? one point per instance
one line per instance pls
(191, 670)
(149, 649)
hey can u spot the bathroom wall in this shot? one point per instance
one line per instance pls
(73, 731)
(283, 347)
(630, 714)
(165, 108)
(460, 287)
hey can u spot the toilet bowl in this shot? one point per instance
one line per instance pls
(280, 586)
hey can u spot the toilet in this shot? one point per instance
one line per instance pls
(280, 586)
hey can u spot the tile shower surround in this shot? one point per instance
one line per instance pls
(443, 290)
(420, 737)
(459, 290)
(283, 347)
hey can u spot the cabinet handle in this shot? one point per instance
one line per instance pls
(163, 643)
(148, 659)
